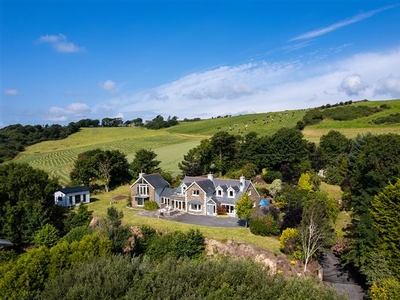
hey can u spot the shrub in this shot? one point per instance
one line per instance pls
(47, 236)
(176, 244)
(385, 289)
(221, 210)
(271, 175)
(289, 241)
(77, 233)
(264, 226)
(151, 205)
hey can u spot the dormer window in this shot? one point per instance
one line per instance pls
(195, 192)
(183, 189)
(231, 193)
(219, 193)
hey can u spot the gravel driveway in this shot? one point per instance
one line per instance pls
(208, 220)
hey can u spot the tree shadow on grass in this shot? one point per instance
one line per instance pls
(94, 199)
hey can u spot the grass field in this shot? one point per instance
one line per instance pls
(171, 144)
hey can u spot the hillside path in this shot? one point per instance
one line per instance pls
(340, 279)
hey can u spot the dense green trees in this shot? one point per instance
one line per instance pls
(26, 202)
(144, 162)
(158, 122)
(384, 212)
(109, 168)
(285, 152)
(129, 278)
(24, 278)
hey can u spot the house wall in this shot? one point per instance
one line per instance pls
(134, 193)
(254, 194)
(65, 198)
(201, 197)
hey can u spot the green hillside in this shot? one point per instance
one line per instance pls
(57, 157)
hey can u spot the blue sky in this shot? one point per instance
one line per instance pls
(63, 61)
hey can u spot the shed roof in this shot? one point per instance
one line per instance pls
(75, 189)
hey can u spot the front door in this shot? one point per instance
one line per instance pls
(210, 209)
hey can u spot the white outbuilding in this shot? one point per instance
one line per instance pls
(72, 196)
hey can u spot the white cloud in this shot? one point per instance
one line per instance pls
(60, 43)
(388, 86)
(72, 110)
(352, 85)
(263, 86)
(11, 92)
(335, 26)
(109, 86)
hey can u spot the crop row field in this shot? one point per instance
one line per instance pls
(58, 157)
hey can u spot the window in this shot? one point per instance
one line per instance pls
(59, 198)
(196, 207)
(195, 193)
(140, 200)
(231, 193)
(219, 192)
(143, 189)
(77, 199)
(183, 189)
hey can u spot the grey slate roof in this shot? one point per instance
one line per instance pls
(207, 186)
(75, 189)
(155, 180)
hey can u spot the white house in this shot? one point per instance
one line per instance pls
(68, 197)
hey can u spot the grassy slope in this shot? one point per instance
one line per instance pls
(358, 126)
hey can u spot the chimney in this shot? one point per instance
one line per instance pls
(242, 181)
(210, 176)
(141, 174)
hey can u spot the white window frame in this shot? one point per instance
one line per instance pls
(220, 192)
(195, 207)
(231, 193)
(143, 189)
(195, 193)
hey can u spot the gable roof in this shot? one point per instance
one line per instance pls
(155, 180)
(207, 186)
(75, 189)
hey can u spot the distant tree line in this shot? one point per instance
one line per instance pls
(14, 138)
(159, 122)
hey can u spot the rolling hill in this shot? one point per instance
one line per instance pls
(170, 144)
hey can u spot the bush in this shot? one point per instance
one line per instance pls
(271, 175)
(289, 241)
(221, 210)
(77, 233)
(390, 119)
(176, 244)
(151, 205)
(47, 236)
(264, 226)
(386, 289)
